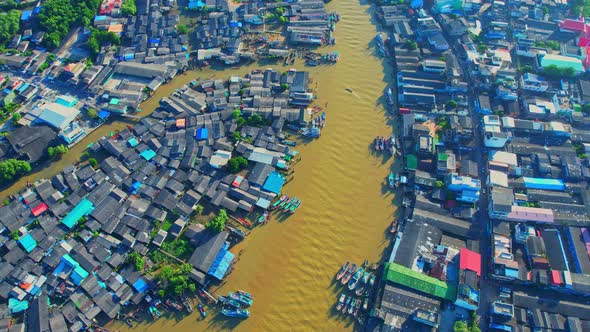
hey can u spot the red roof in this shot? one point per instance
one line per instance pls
(573, 25)
(583, 41)
(39, 209)
(469, 260)
(556, 277)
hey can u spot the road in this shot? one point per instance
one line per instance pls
(488, 291)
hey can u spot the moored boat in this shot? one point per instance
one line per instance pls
(390, 180)
(355, 278)
(279, 201)
(366, 304)
(363, 283)
(263, 217)
(348, 274)
(295, 206)
(342, 270)
(372, 280)
(239, 313)
(346, 304)
(351, 306)
(283, 203)
(357, 306)
(244, 293)
(202, 310)
(389, 96)
(290, 204)
(241, 299)
(393, 227)
(229, 302)
(341, 302)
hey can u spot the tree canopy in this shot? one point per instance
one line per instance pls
(57, 17)
(559, 72)
(57, 151)
(11, 168)
(234, 165)
(217, 224)
(98, 38)
(128, 7)
(9, 25)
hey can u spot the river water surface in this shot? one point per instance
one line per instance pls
(289, 265)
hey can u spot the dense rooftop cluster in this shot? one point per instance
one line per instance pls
(492, 108)
(69, 238)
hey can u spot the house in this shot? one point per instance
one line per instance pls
(469, 274)
(533, 82)
(213, 257)
(57, 115)
(30, 143)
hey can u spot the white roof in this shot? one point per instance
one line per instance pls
(498, 178)
(57, 115)
(504, 157)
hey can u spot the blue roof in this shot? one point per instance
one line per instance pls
(78, 274)
(140, 285)
(104, 114)
(512, 273)
(274, 183)
(28, 242)
(543, 184)
(147, 154)
(135, 187)
(15, 306)
(202, 133)
(66, 101)
(133, 142)
(26, 15)
(82, 209)
(222, 262)
(100, 17)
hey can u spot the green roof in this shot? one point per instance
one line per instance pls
(411, 162)
(562, 61)
(82, 209)
(413, 279)
(443, 157)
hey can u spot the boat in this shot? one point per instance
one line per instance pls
(187, 304)
(357, 306)
(346, 304)
(355, 278)
(348, 90)
(295, 206)
(348, 274)
(244, 222)
(389, 96)
(244, 293)
(366, 263)
(239, 313)
(154, 312)
(372, 280)
(289, 143)
(311, 132)
(291, 202)
(351, 307)
(312, 62)
(393, 227)
(342, 270)
(128, 321)
(341, 302)
(380, 45)
(229, 302)
(376, 143)
(202, 310)
(390, 180)
(173, 305)
(363, 283)
(283, 202)
(241, 299)
(263, 217)
(366, 304)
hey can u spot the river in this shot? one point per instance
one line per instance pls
(289, 265)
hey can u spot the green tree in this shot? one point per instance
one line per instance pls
(58, 17)
(93, 162)
(15, 118)
(9, 25)
(198, 209)
(284, 86)
(128, 7)
(92, 113)
(235, 165)
(439, 184)
(411, 45)
(57, 151)
(460, 326)
(559, 72)
(137, 261)
(182, 29)
(481, 48)
(526, 69)
(452, 104)
(11, 168)
(217, 224)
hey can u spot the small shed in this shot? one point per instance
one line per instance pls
(202, 133)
